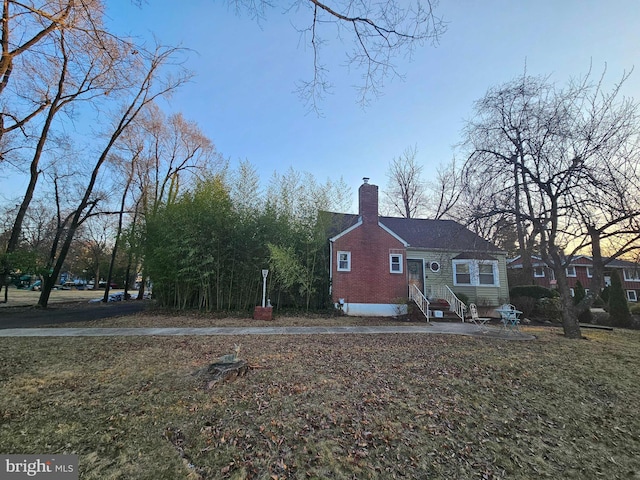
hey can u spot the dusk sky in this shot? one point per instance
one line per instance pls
(243, 95)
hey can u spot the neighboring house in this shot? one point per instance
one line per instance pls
(375, 259)
(581, 269)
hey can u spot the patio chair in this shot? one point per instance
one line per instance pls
(479, 321)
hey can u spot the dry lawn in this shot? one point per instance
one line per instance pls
(19, 297)
(160, 319)
(329, 406)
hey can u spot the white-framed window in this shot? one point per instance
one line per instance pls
(461, 273)
(486, 275)
(586, 292)
(476, 272)
(589, 272)
(632, 296)
(571, 271)
(434, 267)
(538, 272)
(395, 263)
(573, 292)
(344, 261)
(631, 274)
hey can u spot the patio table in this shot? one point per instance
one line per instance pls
(510, 318)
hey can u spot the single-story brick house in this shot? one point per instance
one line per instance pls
(375, 260)
(581, 269)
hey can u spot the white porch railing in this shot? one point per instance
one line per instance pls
(455, 304)
(421, 301)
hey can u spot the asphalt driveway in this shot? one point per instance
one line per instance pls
(33, 317)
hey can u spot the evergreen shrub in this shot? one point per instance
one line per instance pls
(579, 293)
(526, 305)
(604, 295)
(618, 306)
(533, 291)
(549, 308)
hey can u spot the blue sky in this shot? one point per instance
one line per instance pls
(243, 96)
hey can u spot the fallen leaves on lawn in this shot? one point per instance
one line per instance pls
(329, 406)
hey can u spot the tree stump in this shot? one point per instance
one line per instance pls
(223, 371)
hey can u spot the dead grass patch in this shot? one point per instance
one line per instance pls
(328, 406)
(153, 318)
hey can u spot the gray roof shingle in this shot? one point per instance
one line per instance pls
(437, 234)
(422, 233)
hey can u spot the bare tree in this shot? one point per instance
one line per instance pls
(127, 169)
(167, 154)
(379, 33)
(96, 237)
(547, 157)
(406, 191)
(500, 135)
(163, 154)
(176, 151)
(445, 191)
(25, 27)
(76, 60)
(149, 87)
(606, 142)
(85, 72)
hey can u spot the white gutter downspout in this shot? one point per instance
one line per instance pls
(330, 267)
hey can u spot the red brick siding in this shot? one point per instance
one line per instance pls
(368, 202)
(263, 313)
(369, 280)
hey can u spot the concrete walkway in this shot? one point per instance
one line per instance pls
(432, 328)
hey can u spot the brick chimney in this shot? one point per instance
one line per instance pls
(368, 201)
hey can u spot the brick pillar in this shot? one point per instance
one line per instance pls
(263, 313)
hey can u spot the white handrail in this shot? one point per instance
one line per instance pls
(418, 297)
(455, 304)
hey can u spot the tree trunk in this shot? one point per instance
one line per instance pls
(597, 280)
(523, 247)
(570, 322)
(141, 288)
(47, 285)
(117, 242)
(114, 253)
(34, 171)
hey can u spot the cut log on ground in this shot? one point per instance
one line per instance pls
(223, 371)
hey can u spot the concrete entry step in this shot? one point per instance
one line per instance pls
(440, 311)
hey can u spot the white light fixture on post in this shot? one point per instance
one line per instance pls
(264, 286)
